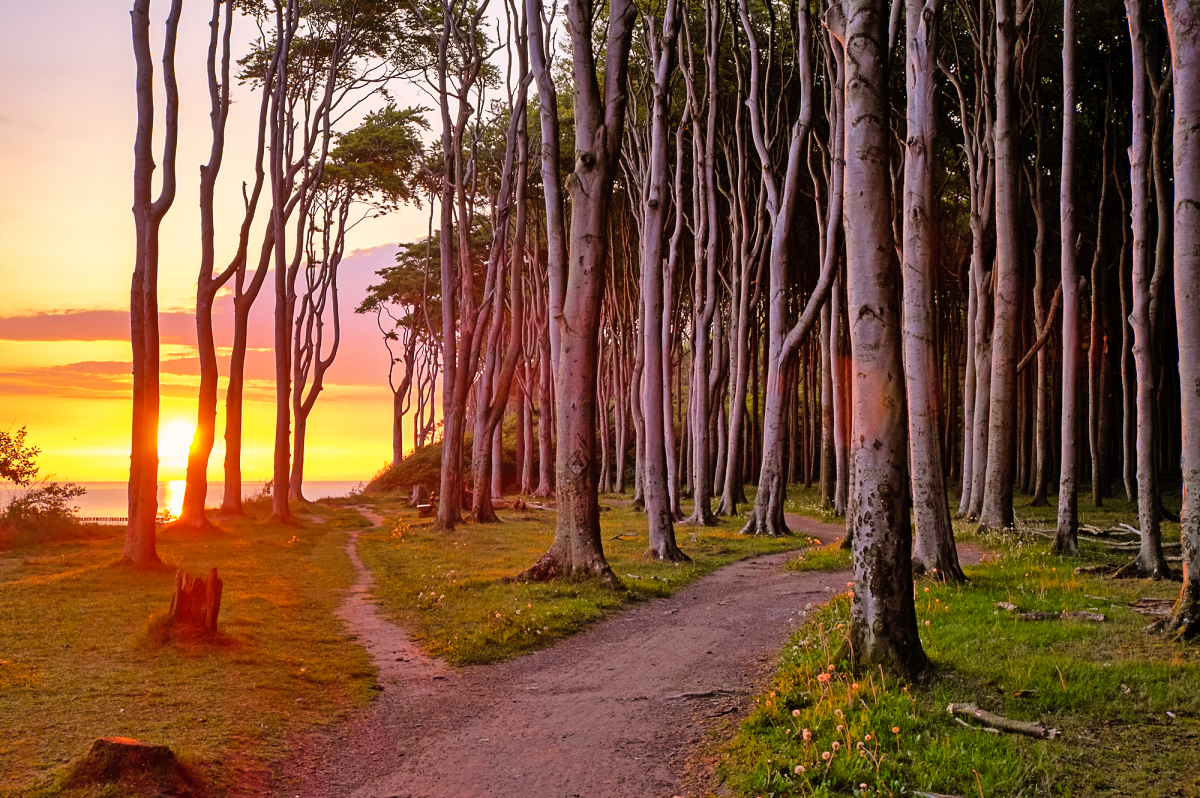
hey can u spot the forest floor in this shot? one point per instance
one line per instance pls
(616, 710)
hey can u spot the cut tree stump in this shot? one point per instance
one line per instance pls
(126, 761)
(1030, 729)
(196, 603)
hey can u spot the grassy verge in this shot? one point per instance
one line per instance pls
(449, 589)
(1127, 702)
(76, 662)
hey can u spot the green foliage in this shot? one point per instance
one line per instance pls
(380, 158)
(18, 460)
(422, 467)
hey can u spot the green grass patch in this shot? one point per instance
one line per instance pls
(450, 589)
(80, 656)
(830, 557)
(1127, 702)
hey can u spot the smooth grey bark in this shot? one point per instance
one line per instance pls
(1067, 531)
(828, 472)
(1183, 25)
(977, 129)
(933, 551)
(1128, 379)
(655, 203)
(883, 620)
(1150, 560)
(577, 550)
(705, 295)
(997, 510)
(140, 535)
(767, 516)
(494, 392)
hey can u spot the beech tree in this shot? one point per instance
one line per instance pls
(576, 287)
(148, 212)
(883, 619)
(1183, 25)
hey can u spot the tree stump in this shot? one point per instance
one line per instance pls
(133, 762)
(196, 603)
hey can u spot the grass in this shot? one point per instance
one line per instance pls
(450, 589)
(1127, 702)
(79, 659)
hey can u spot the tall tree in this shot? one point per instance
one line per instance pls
(208, 284)
(997, 510)
(140, 544)
(1066, 536)
(1150, 560)
(934, 550)
(576, 287)
(883, 619)
(1183, 25)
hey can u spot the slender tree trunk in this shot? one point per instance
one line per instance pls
(1067, 534)
(577, 549)
(883, 620)
(140, 534)
(1150, 560)
(934, 551)
(1183, 25)
(997, 510)
(828, 465)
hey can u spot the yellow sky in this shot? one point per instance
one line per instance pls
(66, 253)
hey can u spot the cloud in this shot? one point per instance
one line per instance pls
(175, 327)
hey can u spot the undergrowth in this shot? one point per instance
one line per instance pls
(1126, 701)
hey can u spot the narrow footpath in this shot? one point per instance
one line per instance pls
(613, 712)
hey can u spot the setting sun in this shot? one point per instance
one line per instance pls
(174, 440)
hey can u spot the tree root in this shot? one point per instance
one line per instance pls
(1029, 729)
(1135, 570)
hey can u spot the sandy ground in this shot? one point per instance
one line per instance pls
(617, 710)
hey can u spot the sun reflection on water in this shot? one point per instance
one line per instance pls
(170, 496)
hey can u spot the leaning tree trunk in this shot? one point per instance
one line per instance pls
(997, 510)
(1150, 560)
(1183, 24)
(577, 549)
(934, 550)
(1067, 534)
(140, 544)
(883, 619)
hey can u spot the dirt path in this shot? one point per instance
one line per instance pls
(600, 714)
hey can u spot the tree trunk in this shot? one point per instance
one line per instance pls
(1183, 24)
(140, 534)
(934, 551)
(1066, 535)
(1150, 560)
(997, 510)
(883, 620)
(577, 550)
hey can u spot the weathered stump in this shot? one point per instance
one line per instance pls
(196, 603)
(135, 763)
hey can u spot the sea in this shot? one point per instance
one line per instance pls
(110, 499)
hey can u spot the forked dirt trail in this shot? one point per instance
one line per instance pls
(613, 712)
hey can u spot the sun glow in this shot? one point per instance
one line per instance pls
(174, 440)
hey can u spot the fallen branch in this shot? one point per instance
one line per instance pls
(1153, 606)
(625, 536)
(701, 694)
(1066, 615)
(1029, 729)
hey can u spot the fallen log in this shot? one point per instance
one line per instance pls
(1066, 615)
(1029, 729)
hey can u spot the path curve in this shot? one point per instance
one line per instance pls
(599, 715)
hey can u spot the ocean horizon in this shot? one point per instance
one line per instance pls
(110, 499)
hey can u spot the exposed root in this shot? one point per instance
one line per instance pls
(1135, 570)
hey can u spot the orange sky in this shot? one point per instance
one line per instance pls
(66, 254)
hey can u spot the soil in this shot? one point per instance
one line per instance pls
(617, 711)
